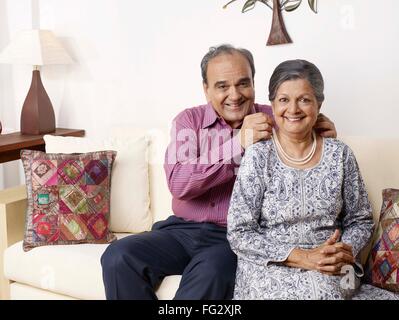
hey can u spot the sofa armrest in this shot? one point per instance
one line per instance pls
(13, 204)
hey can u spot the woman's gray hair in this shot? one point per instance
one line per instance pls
(297, 69)
(225, 49)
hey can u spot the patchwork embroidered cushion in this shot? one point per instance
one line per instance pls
(383, 263)
(68, 198)
(130, 210)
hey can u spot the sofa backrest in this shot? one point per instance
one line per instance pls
(377, 158)
(378, 162)
(160, 196)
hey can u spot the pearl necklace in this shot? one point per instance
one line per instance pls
(292, 160)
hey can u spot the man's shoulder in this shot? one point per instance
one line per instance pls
(199, 109)
(263, 108)
(192, 114)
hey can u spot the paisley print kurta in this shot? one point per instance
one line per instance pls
(275, 208)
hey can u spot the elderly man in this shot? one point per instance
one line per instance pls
(201, 163)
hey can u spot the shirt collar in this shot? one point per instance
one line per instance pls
(210, 116)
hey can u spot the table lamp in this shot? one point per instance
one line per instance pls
(36, 48)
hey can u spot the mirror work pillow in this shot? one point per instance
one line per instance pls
(68, 198)
(383, 262)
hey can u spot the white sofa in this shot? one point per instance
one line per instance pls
(74, 271)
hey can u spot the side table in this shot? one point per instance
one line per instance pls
(11, 144)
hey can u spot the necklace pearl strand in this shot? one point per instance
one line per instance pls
(290, 159)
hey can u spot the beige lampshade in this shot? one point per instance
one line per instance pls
(35, 47)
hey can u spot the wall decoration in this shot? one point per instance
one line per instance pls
(278, 33)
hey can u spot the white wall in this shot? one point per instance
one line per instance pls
(137, 62)
(14, 81)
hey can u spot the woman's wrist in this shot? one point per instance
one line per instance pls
(297, 259)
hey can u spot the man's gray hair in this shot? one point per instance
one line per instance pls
(297, 69)
(225, 49)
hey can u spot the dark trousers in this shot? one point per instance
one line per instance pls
(133, 267)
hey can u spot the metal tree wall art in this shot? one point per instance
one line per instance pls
(278, 32)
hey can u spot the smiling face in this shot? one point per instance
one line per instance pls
(230, 87)
(295, 108)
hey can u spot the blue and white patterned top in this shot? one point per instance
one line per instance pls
(275, 208)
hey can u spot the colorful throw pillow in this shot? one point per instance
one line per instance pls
(383, 262)
(68, 198)
(130, 193)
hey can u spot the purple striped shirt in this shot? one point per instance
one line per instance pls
(201, 162)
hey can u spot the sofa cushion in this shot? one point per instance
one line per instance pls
(383, 263)
(160, 196)
(68, 198)
(73, 271)
(19, 291)
(130, 200)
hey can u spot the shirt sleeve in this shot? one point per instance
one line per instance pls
(247, 239)
(357, 219)
(191, 168)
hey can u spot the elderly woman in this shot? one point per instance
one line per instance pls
(299, 210)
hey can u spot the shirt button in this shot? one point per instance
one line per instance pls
(213, 204)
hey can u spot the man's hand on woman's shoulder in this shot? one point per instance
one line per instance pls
(325, 127)
(256, 127)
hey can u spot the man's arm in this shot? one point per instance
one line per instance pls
(191, 167)
(255, 127)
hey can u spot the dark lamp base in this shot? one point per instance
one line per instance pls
(37, 116)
